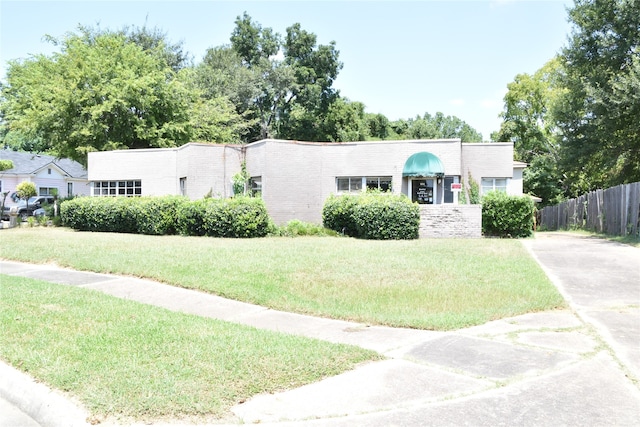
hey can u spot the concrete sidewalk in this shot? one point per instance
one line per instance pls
(572, 367)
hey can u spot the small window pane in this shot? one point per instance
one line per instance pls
(356, 184)
(343, 184)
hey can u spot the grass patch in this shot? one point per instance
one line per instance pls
(131, 360)
(438, 284)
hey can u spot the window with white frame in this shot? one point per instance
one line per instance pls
(117, 188)
(183, 186)
(493, 184)
(47, 191)
(382, 183)
(353, 184)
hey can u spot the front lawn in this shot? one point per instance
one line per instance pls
(136, 362)
(430, 284)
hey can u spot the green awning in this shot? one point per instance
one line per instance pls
(422, 165)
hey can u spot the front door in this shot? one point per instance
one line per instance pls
(422, 191)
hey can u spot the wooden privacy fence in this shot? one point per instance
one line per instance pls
(614, 211)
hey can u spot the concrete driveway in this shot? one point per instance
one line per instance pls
(601, 281)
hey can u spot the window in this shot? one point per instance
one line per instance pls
(69, 189)
(255, 184)
(117, 188)
(47, 191)
(379, 183)
(354, 184)
(183, 186)
(494, 184)
(49, 171)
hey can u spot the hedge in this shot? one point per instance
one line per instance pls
(237, 217)
(372, 215)
(507, 216)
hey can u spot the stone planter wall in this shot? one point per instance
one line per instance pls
(447, 221)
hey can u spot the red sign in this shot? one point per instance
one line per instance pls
(456, 186)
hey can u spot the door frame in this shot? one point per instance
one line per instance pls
(427, 178)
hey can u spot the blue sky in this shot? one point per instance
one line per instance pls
(401, 58)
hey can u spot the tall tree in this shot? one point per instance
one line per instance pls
(598, 115)
(345, 122)
(379, 126)
(100, 92)
(529, 122)
(283, 84)
(156, 41)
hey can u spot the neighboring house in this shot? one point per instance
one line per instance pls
(295, 178)
(49, 174)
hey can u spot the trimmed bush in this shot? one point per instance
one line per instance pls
(157, 215)
(237, 217)
(337, 214)
(507, 216)
(99, 214)
(190, 218)
(373, 215)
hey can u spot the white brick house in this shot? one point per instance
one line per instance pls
(295, 178)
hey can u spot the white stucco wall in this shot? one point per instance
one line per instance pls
(155, 168)
(297, 177)
(208, 168)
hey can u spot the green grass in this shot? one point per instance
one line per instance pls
(428, 284)
(132, 361)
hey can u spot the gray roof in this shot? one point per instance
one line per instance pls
(25, 163)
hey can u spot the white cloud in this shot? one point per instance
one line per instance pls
(496, 100)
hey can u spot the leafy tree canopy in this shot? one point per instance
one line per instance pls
(26, 189)
(528, 122)
(437, 126)
(598, 115)
(282, 85)
(100, 92)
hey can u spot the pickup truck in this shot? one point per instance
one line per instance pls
(26, 209)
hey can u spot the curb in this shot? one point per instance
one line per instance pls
(47, 407)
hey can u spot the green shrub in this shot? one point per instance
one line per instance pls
(507, 216)
(296, 227)
(373, 215)
(237, 217)
(386, 217)
(337, 214)
(157, 215)
(110, 214)
(190, 218)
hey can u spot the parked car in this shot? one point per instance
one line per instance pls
(25, 210)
